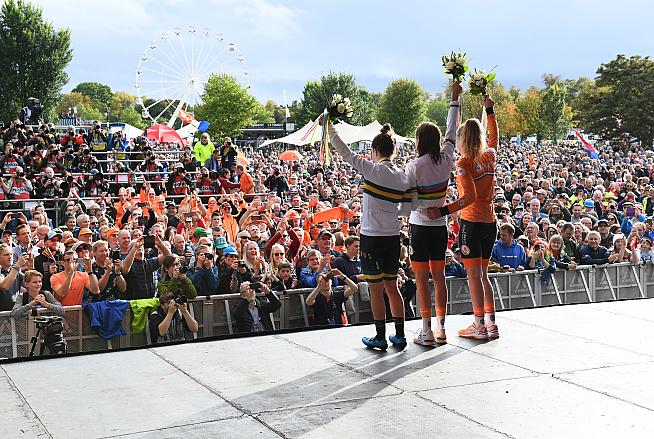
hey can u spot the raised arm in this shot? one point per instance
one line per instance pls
(362, 165)
(493, 132)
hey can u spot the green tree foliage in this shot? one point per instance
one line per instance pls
(437, 109)
(528, 108)
(555, 120)
(34, 58)
(228, 107)
(403, 105)
(317, 95)
(100, 94)
(83, 104)
(622, 104)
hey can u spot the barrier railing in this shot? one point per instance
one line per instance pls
(214, 314)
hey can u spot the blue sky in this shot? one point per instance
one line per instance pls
(286, 43)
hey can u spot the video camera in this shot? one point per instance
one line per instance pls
(32, 112)
(51, 328)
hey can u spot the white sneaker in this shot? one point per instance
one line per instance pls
(424, 338)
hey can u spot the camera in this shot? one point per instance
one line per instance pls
(148, 242)
(183, 270)
(179, 297)
(241, 264)
(406, 241)
(69, 179)
(115, 255)
(329, 276)
(537, 247)
(52, 328)
(256, 286)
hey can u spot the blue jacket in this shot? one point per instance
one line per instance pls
(628, 223)
(309, 279)
(599, 256)
(455, 269)
(206, 281)
(107, 317)
(512, 255)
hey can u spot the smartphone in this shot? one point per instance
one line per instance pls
(148, 241)
(81, 261)
(630, 212)
(329, 276)
(115, 255)
(188, 214)
(140, 204)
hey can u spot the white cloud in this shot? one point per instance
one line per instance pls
(262, 18)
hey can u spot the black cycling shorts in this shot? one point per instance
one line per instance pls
(380, 257)
(476, 240)
(428, 243)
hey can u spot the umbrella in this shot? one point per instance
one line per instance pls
(290, 156)
(163, 133)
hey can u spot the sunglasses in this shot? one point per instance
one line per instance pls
(278, 254)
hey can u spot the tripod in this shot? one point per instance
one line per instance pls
(54, 348)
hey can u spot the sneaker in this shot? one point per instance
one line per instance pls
(440, 337)
(424, 338)
(399, 342)
(474, 333)
(493, 332)
(373, 342)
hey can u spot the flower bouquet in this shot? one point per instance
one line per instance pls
(455, 65)
(340, 108)
(478, 82)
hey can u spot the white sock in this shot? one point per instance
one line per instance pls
(426, 324)
(440, 323)
(479, 321)
(490, 319)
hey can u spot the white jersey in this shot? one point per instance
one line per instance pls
(429, 180)
(386, 191)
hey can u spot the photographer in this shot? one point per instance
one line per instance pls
(206, 276)
(139, 271)
(18, 187)
(174, 278)
(69, 285)
(97, 185)
(152, 170)
(179, 183)
(46, 261)
(35, 297)
(107, 270)
(84, 162)
(171, 321)
(228, 270)
(98, 141)
(329, 306)
(252, 314)
(11, 276)
(276, 183)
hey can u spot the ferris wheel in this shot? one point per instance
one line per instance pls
(172, 71)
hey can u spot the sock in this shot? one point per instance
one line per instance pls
(440, 323)
(426, 324)
(489, 318)
(399, 326)
(479, 321)
(380, 326)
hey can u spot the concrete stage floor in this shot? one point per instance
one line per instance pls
(573, 371)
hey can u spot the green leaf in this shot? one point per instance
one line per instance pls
(490, 77)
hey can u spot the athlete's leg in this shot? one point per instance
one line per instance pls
(421, 272)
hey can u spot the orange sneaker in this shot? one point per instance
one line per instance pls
(474, 333)
(493, 332)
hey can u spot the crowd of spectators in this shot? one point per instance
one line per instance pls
(211, 218)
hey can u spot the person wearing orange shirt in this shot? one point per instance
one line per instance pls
(476, 182)
(247, 184)
(68, 286)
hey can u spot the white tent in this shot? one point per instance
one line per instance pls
(130, 131)
(310, 133)
(186, 132)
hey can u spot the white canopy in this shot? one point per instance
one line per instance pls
(310, 133)
(129, 130)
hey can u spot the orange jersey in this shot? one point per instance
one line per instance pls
(476, 181)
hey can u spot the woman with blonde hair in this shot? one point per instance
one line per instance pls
(33, 297)
(253, 259)
(475, 172)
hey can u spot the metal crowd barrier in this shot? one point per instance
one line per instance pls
(526, 289)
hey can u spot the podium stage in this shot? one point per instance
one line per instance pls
(568, 371)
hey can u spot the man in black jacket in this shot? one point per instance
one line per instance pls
(593, 253)
(252, 314)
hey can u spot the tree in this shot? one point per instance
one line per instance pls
(34, 58)
(437, 109)
(228, 106)
(528, 108)
(622, 106)
(555, 120)
(317, 94)
(100, 94)
(403, 105)
(82, 103)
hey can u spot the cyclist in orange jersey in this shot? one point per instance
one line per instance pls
(478, 227)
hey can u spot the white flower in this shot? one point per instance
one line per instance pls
(450, 65)
(347, 101)
(349, 114)
(461, 60)
(341, 107)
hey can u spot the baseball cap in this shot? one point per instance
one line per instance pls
(80, 246)
(325, 232)
(230, 251)
(589, 203)
(112, 231)
(52, 234)
(603, 221)
(499, 197)
(199, 232)
(85, 231)
(221, 243)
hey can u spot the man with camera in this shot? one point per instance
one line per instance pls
(172, 320)
(228, 154)
(107, 268)
(139, 271)
(179, 183)
(99, 143)
(328, 305)
(68, 286)
(11, 276)
(252, 314)
(18, 186)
